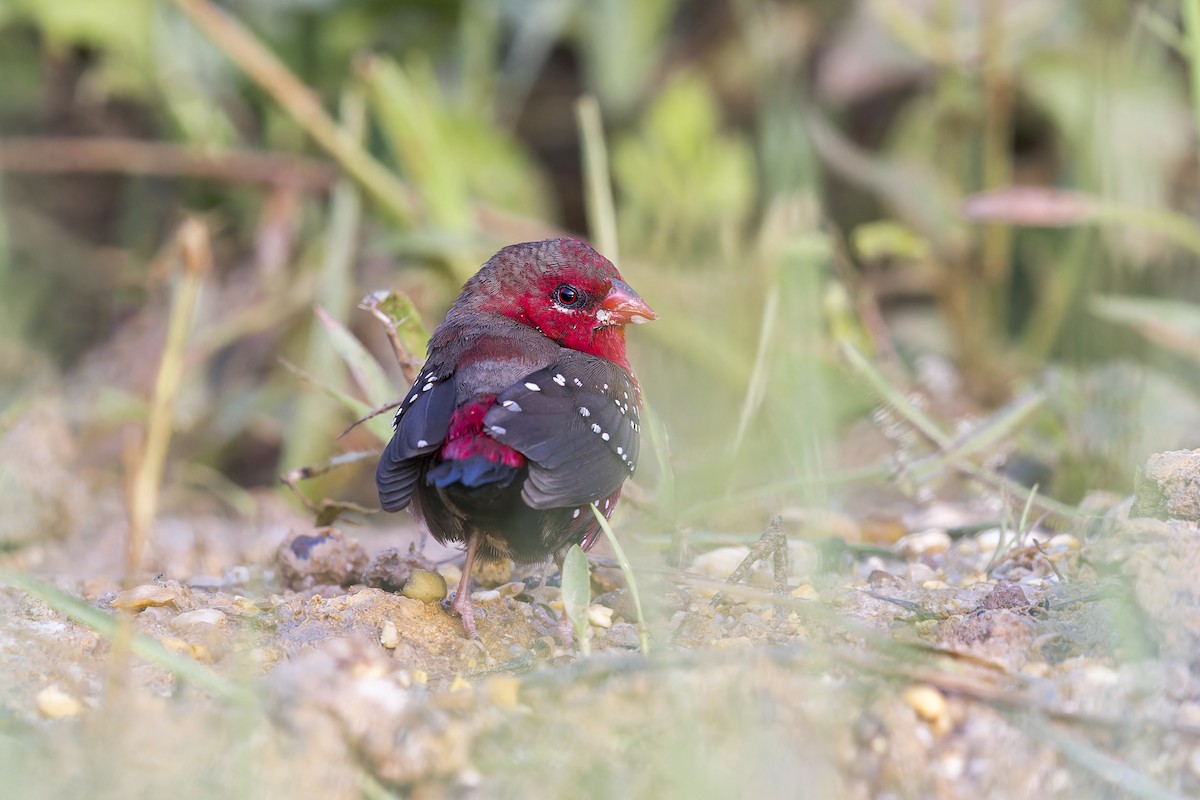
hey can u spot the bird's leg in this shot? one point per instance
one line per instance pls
(772, 543)
(566, 630)
(562, 627)
(462, 596)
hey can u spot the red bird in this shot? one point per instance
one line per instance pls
(525, 412)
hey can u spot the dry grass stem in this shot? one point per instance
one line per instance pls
(192, 240)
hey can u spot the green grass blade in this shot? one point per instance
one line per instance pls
(627, 569)
(367, 372)
(577, 595)
(145, 647)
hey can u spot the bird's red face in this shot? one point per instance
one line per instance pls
(574, 296)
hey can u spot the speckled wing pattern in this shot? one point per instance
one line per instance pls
(421, 423)
(578, 422)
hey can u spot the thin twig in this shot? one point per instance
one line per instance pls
(56, 155)
(369, 417)
(410, 366)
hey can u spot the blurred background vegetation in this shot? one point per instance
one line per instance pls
(796, 187)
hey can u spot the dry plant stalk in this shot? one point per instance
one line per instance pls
(139, 157)
(192, 244)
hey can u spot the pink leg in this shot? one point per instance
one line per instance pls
(566, 631)
(462, 596)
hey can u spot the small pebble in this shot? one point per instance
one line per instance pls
(925, 543)
(623, 634)
(192, 650)
(804, 558)
(1063, 540)
(201, 616)
(928, 703)
(920, 572)
(600, 616)
(139, 598)
(988, 540)
(511, 589)
(389, 637)
(720, 563)
(503, 690)
(806, 591)
(952, 765)
(450, 573)
(426, 586)
(238, 575)
(54, 703)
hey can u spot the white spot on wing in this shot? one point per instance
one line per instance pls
(583, 411)
(577, 382)
(595, 428)
(511, 405)
(499, 430)
(533, 387)
(576, 514)
(604, 436)
(422, 443)
(427, 387)
(560, 380)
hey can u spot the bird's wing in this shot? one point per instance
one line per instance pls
(577, 421)
(421, 424)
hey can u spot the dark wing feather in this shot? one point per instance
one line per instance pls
(421, 424)
(578, 423)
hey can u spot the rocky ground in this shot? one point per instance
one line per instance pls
(951, 663)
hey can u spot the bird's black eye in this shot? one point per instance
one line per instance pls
(568, 296)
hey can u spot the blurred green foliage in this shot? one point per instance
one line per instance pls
(786, 175)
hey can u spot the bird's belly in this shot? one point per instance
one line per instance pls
(505, 525)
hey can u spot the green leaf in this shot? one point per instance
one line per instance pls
(885, 239)
(577, 594)
(1172, 324)
(401, 310)
(367, 372)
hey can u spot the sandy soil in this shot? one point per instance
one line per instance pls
(946, 664)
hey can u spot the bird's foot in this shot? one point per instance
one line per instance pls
(566, 631)
(547, 625)
(461, 604)
(462, 596)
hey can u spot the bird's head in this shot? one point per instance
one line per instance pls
(563, 288)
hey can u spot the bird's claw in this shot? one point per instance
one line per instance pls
(461, 605)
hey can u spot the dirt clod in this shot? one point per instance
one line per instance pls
(1170, 487)
(390, 568)
(324, 556)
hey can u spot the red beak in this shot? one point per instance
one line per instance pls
(626, 306)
